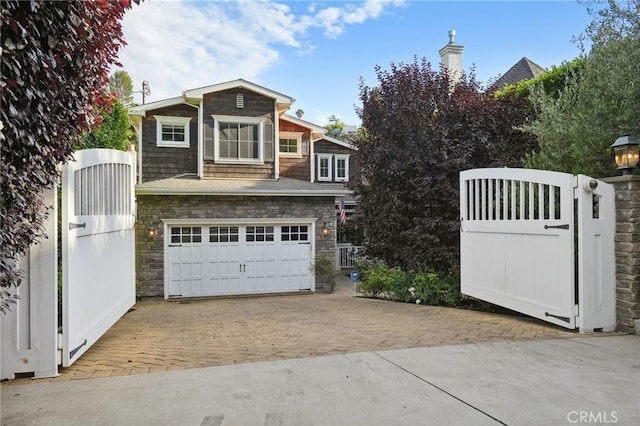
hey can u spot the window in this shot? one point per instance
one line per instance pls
(172, 131)
(295, 233)
(342, 168)
(324, 167)
(223, 234)
(259, 233)
(186, 234)
(289, 144)
(238, 139)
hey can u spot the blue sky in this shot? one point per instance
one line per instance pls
(317, 51)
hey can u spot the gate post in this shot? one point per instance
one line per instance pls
(627, 245)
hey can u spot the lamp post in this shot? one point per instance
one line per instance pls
(626, 150)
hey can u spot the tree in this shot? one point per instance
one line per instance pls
(121, 85)
(55, 63)
(417, 135)
(598, 104)
(114, 132)
(335, 127)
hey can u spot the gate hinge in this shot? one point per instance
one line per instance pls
(59, 351)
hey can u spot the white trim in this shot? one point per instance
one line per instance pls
(344, 157)
(312, 156)
(330, 164)
(339, 142)
(172, 121)
(306, 124)
(240, 221)
(247, 192)
(276, 130)
(199, 92)
(141, 110)
(240, 120)
(291, 135)
(201, 139)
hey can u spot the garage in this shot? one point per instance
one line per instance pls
(237, 257)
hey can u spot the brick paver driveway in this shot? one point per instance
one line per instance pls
(161, 336)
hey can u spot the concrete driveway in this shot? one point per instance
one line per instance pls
(162, 336)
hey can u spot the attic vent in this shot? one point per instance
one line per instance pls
(240, 100)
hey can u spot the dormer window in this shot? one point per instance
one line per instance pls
(238, 139)
(289, 144)
(172, 132)
(342, 168)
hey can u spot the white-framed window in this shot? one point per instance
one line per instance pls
(289, 144)
(238, 139)
(342, 167)
(172, 132)
(324, 167)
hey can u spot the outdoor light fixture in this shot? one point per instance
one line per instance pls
(152, 233)
(325, 230)
(626, 152)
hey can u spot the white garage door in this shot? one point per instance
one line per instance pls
(214, 260)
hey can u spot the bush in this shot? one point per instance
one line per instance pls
(382, 282)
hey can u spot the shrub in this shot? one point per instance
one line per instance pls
(433, 289)
(380, 281)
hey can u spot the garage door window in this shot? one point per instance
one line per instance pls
(186, 234)
(295, 233)
(259, 233)
(223, 234)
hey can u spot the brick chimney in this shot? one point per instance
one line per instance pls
(451, 57)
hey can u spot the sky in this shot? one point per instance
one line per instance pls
(318, 52)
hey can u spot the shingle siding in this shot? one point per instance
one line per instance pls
(224, 103)
(326, 147)
(162, 162)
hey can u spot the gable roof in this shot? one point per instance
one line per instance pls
(524, 69)
(197, 93)
(339, 142)
(193, 96)
(303, 123)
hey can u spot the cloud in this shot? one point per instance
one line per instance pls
(177, 45)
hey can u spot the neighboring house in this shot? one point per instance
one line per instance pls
(524, 69)
(232, 196)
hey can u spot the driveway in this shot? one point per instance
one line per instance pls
(162, 336)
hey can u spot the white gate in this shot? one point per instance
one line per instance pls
(98, 246)
(98, 268)
(519, 247)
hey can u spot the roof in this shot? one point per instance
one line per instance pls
(303, 123)
(338, 142)
(198, 92)
(524, 69)
(142, 109)
(191, 96)
(283, 187)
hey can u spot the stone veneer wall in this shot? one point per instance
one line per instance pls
(152, 209)
(627, 252)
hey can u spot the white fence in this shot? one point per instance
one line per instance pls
(349, 256)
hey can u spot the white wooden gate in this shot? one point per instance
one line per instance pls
(540, 243)
(98, 246)
(98, 264)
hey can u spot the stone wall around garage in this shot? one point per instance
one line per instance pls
(152, 209)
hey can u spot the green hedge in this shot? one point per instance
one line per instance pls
(382, 282)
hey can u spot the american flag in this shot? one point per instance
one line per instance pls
(343, 213)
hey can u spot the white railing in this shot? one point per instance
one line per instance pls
(349, 256)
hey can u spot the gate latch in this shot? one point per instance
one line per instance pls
(557, 226)
(77, 225)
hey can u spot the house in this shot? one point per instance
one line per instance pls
(234, 196)
(524, 69)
